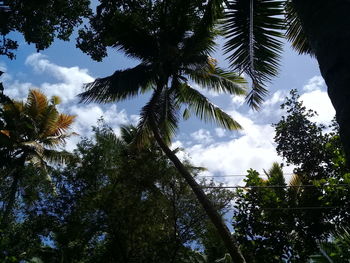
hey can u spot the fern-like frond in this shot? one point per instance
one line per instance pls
(204, 109)
(213, 78)
(56, 157)
(253, 32)
(163, 112)
(202, 41)
(62, 124)
(36, 103)
(121, 85)
(295, 33)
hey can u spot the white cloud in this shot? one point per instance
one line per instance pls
(237, 101)
(87, 116)
(319, 101)
(316, 98)
(315, 83)
(202, 136)
(220, 132)
(254, 148)
(70, 80)
(276, 99)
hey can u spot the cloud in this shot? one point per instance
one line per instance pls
(202, 136)
(70, 79)
(252, 147)
(316, 98)
(220, 132)
(315, 83)
(237, 101)
(67, 82)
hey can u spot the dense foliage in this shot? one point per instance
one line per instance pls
(112, 202)
(276, 221)
(40, 22)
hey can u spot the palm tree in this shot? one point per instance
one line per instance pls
(254, 29)
(335, 250)
(173, 41)
(31, 132)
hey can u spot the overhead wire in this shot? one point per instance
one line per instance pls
(275, 186)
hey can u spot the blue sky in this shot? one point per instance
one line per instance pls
(62, 70)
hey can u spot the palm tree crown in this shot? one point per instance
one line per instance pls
(173, 40)
(30, 132)
(35, 129)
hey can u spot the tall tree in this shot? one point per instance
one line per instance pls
(274, 221)
(173, 41)
(114, 203)
(39, 21)
(30, 132)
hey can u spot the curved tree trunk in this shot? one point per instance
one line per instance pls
(214, 216)
(327, 26)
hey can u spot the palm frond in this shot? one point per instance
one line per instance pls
(256, 96)
(163, 111)
(253, 31)
(295, 33)
(56, 141)
(56, 157)
(47, 122)
(204, 109)
(213, 78)
(36, 103)
(202, 41)
(131, 32)
(62, 124)
(121, 85)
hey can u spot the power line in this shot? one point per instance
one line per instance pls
(231, 175)
(273, 186)
(300, 208)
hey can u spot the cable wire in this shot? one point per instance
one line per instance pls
(274, 186)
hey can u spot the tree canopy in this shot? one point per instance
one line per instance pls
(40, 22)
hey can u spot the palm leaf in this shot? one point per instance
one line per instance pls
(253, 29)
(216, 79)
(62, 124)
(48, 121)
(121, 85)
(57, 141)
(131, 33)
(295, 32)
(202, 41)
(163, 112)
(204, 109)
(36, 103)
(56, 157)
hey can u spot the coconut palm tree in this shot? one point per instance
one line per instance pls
(31, 132)
(173, 41)
(320, 28)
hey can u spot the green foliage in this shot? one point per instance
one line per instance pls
(335, 250)
(274, 222)
(31, 133)
(267, 229)
(40, 22)
(113, 202)
(254, 30)
(177, 39)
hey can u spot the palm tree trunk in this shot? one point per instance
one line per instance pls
(327, 26)
(214, 216)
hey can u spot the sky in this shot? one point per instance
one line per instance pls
(62, 70)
